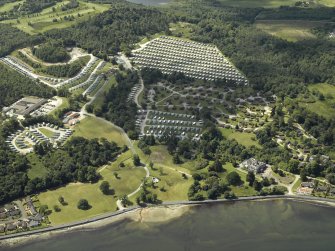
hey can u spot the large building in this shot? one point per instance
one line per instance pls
(24, 107)
(253, 165)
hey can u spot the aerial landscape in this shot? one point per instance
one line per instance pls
(167, 125)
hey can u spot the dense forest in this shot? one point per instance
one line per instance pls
(115, 29)
(17, 85)
(12, 38)
(52, 52)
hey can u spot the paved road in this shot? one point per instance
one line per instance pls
(290, 186)
(139, 92)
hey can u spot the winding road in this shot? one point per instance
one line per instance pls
(130, 145)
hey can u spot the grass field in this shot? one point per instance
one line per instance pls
(92, 127)
(129, 178)
(289, 30)
(37, 169)
(269, 3)
(325, 108)
(8, 6)
(44, 20)
(99, 202)
(243, 138)
(176, 187)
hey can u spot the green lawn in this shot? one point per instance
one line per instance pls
(168, 173)
(176, 187)
(289, 30)
(44, 20)
(37, 169)
(325, 108)
(46, 132)
(92, 127)
(129, 179)
(243, 138)
(72, 193)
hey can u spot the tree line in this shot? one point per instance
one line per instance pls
(116, 108)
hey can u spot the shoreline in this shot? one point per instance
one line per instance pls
(164, 212)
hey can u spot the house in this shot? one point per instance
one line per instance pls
(22, 224)
(307, 184)
(14, 212)
(321, 188)
(31, 206)
(10, 227)
(33, 223)
(304, 190)
(253, 165)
